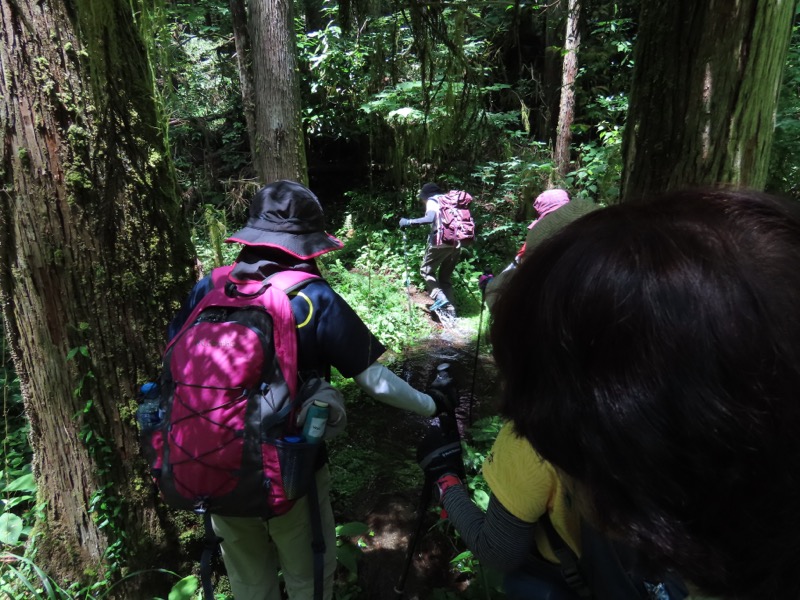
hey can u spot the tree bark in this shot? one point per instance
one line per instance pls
(279, 152)
(92, 262)
(705, 87)
(569, 73)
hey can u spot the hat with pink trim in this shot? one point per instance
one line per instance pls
(287, 216)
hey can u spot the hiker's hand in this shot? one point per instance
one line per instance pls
(443, 391)
(439, 452)
(405, 222)
(445, 401)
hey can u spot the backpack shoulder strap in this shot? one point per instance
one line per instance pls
(317, 539)
(289, 281)
(568, 559)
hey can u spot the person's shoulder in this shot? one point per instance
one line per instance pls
(321, 294)
(508, 438)
(582, 205)
(570, 211)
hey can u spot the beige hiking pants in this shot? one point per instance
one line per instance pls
(254, 549)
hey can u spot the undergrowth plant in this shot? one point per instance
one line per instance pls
(22, 579)
(16, 480)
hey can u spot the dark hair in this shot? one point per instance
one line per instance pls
(428, 190)
(652, 353)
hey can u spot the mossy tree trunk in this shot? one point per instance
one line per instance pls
(705, 87)
(94, 256)
(279, 151)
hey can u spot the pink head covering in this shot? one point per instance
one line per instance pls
(548, 201)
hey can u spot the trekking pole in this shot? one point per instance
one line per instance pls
(475, 361)
(424, 501)
(408, 279)
(211, 542)
(444, 383)
(486, 272)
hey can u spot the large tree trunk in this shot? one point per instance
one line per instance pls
(279, 152)
(704, 92)
(569, 72)
(92, 259)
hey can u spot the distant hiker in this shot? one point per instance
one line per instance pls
(650, 351)
(286, 232)
(452, 228)
(554, 209)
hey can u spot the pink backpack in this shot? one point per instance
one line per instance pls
(229, 395)
(455, 226)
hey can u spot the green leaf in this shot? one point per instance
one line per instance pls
(184, 589)
(481, 498)
(464, 555)
(347, 556)
(352, 529)
(10, 528)
(24, 483)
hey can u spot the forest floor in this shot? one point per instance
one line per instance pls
(388, 501)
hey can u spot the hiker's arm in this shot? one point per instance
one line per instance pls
(383, 385)
(497, 538)
(429, 217)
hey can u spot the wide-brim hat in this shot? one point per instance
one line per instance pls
(287, 216)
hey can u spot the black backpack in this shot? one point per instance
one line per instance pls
(606, 570)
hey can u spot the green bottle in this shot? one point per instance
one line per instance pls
(316, 419)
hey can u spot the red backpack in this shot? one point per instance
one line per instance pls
(455, 226)
(229, 398)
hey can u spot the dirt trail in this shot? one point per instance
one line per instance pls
(389, 505)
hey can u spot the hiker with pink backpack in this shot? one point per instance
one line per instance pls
(452, 228)
(245, 403)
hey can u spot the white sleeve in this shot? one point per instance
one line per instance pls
(383, 385)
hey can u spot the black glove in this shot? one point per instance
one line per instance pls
(445, 402)
(439, 452)
(443, 391)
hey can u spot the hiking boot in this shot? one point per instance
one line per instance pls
(449, 310)
(440, 304)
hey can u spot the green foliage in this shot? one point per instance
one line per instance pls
(337, 75)
(370, 273)
(784, 172)
(17, 486)
(22, 579)
(106, 506)
(193, 55)
(600, 160)
(185, 589)
(349, 543)
(208, 235)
